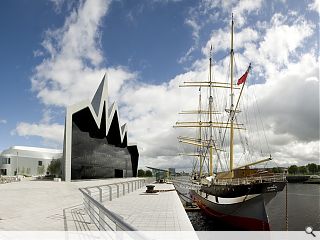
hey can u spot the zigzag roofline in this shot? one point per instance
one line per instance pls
(99, 103)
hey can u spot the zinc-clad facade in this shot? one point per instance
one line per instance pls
(95, 146)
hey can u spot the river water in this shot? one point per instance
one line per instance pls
(303, 210)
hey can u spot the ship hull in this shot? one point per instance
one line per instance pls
(245, 212)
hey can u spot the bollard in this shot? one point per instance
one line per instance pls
(150, 189)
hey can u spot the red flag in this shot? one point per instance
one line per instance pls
(244, 76)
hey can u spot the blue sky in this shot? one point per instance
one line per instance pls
(54, 53)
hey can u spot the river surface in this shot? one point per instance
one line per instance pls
(303, 210)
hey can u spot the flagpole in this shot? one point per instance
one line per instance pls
(235, 109)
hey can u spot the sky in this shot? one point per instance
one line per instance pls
(54, 53)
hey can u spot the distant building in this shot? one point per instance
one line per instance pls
(20, 160)
(160, 174)
(172, 172)
(95, 145)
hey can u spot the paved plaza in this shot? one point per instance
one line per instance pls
(45, 205)
(58, 206)
(161, 211)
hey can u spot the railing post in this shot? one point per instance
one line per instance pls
(100, 194)
(110, 193)
(89, 205)
(118, 194)
(101, 221)
(128, 187)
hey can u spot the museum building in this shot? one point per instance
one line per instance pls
(95, 145)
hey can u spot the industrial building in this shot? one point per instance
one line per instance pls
(30, 161)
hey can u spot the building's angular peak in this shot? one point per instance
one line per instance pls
(102, 116)
(96, 100)
(97, 106)
(112, 113)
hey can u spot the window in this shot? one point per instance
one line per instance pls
(8, 161)
(39, 163)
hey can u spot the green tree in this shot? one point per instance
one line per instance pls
(141, 173)
(54, 167)
(293, 169)
(277, 170)
(148, 173)
(302, 169)
(312, 168)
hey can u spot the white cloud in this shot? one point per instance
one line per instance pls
(315, 5)
(71, 70)
(53, 132)
(220, 39)
(282, 40)
(243, 8)
(3, 121)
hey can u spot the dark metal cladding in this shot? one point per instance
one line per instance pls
(95, 155)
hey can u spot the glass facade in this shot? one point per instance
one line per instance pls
(93, 157)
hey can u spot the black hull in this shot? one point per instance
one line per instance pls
(232, 191)
(245, 212)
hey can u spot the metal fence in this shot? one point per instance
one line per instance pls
(249, 180)
(188, 183)
(103, 218)
(108, 192)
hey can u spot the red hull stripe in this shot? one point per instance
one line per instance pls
(240, 222)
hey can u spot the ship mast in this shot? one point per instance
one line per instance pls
(232, 111)
(200, 136)
(210, 117)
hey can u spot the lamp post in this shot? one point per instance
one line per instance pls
(17, 163)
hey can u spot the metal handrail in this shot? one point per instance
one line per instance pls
(247, 180)
(112, 216)
(100, 192)
(104, 219)
(235, 181)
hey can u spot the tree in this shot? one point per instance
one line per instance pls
(312, 168)
(302, 169)
(293, 169)
(277, 170)
(141, 173)
(148, 173)
(54, 167)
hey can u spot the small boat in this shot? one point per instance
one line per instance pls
(239, 194)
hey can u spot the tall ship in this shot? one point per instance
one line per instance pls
(227, 184)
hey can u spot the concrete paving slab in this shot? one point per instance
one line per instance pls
(152, 212)
(46, 205)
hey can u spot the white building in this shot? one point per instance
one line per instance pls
(20, 160)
